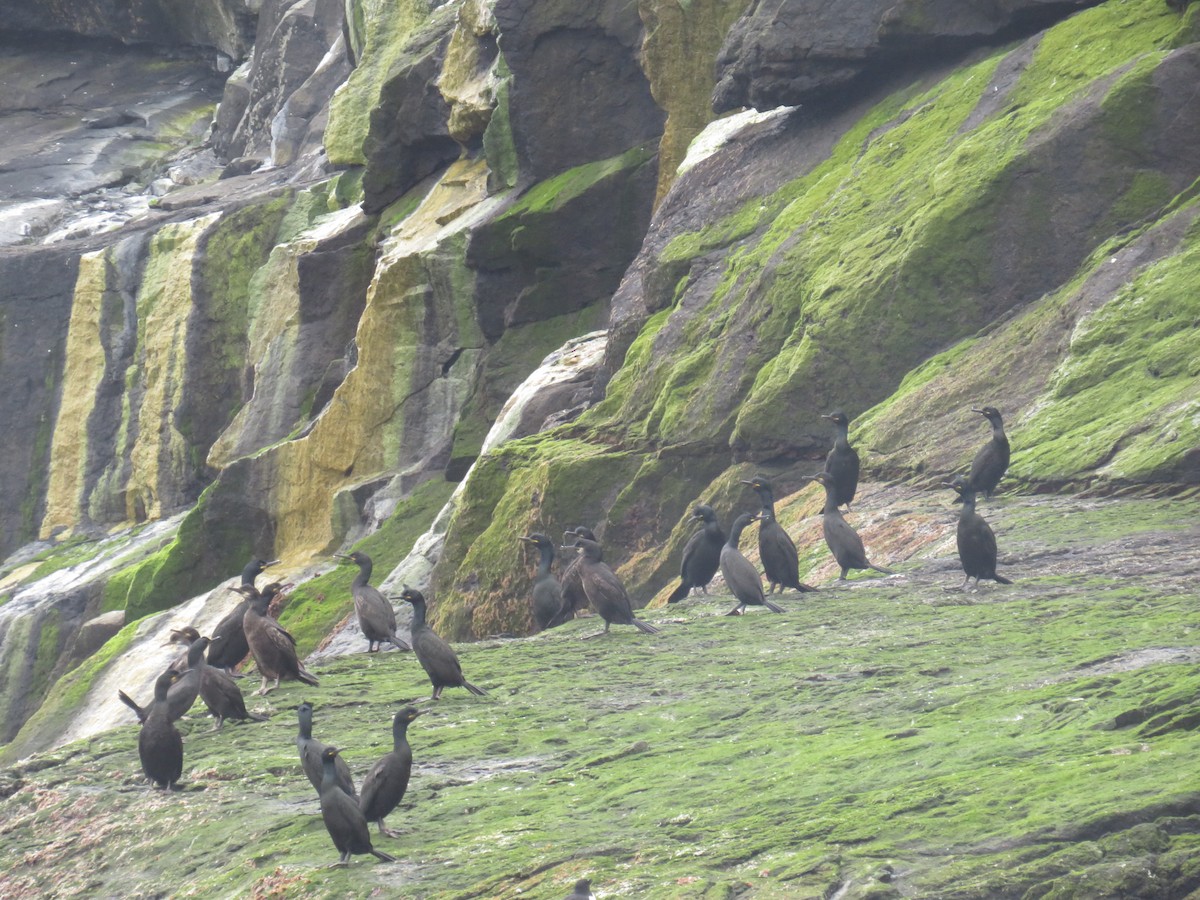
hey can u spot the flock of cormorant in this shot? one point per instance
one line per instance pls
(250, 629)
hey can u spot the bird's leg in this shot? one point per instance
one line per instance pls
(437, 693)
(263, 689)
(845, 572)
(387, 832)
(737, 610)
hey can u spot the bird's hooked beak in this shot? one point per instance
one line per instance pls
(342, 556)
(269, 563)
(826, 416)
(527, 540)
(980, 411)
(751, 483)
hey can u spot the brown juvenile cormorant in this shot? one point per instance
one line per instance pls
(547, 592)
(187, 635)
(574, 596)
(437, 658)
(343, 819)
(583, 891)
(376, 617)
(976, 540)
(221, 693)
(604, 590)
(159, 745)
(273, 649)
(739, 573)
(780, 562)
(228, 646)
(310, 754)
(843, 541)
(841, 465)
(701, 554)
(991, 462)
(385, 783)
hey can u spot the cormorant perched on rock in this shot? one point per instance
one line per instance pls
(991, 462)
(385, 783)
(739, 573)
(343, 819)
(604, 590)
(574, 596)
(583, 891)
(437, 658)
(701, 554)
(843, 541)
(547, 592)
(376, 617)
(780, 561)
(273, 649)
(183, 691)
(228, 646)
(221, 693)
(841, 465)
(976, 540)
(310, 754)
(159, 745)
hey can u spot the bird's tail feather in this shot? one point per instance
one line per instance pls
(1001, 579)
(773, 607)
(477, 691)
(680, 592)
(803, 588)
(386, 857)
(307, 677)
(883, 570)
(396, 642)
(647, 628)
(132, 704)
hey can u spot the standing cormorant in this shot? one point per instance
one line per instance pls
(604, 590)
(991, 462)
(739, 573)
(343, 819)
(160, 747)
(574, 596)
(843, 541)
(221, 693)
(273, 649)
(547, 592)
(310, 750)
(701, 554)
(976, 540)
(183, 691)
(376, 617)
(437, 658)
(228, 646)
(583, 891)
(841, 465)
(385, 783)
(776, 550)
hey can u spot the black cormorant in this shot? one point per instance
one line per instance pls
(273, 648)
(437, 658)
(583, 891)
(776, 550)
(701, 554)
(991, 462)
(976, 540)
(159, 745)
(376, 617)
(228, 646)
(841, 465)
(547, 592)
(385, 783)
(843, 541)
(310, 750)
(604, 590)
(343, 819)
(739, 573)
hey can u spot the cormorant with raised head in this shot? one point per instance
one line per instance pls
(841, 465)
(160, 746)
(739, 573)
(376, 617)
(343, 819)
(604, 590)
(547, 596)
(583, 891)
(991, 462)
(221, 694)
(701, 554)
(385, 783)
(976, 540)
(842, 540)
(436, 657)
(228, 646)
(776, 549)
(574, 596)
(310, 754)
(273, 648)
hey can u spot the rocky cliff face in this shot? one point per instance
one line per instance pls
(284, 322)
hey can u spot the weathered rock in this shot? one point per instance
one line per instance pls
(809, 51)
(94, 632)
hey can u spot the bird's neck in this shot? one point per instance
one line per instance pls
(418, 619)
(328, 774)
(830, 506)
(545, 560)
(306, 729)
(998, 432)
(842, 435)
(714, 530)
(399, 736)
(363, 576)
(968, 506)
(768, 507)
